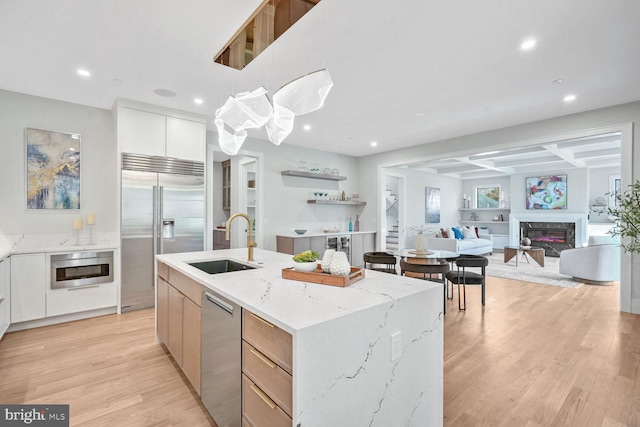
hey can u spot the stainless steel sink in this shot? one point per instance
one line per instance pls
(218, 266)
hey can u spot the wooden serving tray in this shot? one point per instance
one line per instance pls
(324, 278)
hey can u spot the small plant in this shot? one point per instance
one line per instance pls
(627, 215)
(306, 256)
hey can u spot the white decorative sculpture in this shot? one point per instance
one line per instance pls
(340, 264)
(326, 260)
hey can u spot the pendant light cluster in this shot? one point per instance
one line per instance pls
(251, 110)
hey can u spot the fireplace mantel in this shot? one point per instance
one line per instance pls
(580, 221)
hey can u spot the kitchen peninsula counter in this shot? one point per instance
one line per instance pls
(342, 356)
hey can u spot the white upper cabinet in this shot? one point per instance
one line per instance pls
(161, 132)
(143, 132)
(186, 139)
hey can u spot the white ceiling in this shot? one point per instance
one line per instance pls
(405, 73)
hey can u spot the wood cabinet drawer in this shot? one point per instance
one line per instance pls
(271, 378)
(190, 288)
(270, 340)
(163, 270)
(259, 409)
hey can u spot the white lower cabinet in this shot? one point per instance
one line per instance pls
(28, 287)
(5, 295)
(74, 300)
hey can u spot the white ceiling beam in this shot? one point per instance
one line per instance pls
(529, 161)
(598, 153)
(519, 151)
(564, 154)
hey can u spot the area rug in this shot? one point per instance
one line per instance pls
(531, 271)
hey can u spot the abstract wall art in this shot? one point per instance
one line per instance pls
(432, 205)
(547, 192)
(53, 169)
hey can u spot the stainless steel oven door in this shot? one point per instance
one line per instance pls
(81, 269)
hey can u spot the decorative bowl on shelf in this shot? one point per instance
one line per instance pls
(300, 231)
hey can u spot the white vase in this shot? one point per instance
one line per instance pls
(420, 243)
(305, 266)
(340, 264)
(326, 260)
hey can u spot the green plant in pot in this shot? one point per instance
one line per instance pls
(627, 217)
(305, 261)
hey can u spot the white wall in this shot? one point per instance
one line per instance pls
(98, 169)
(598, 187)
(285, 198)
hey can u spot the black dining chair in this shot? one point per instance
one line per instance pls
(463, 276)
(439, 269)
(380, 258)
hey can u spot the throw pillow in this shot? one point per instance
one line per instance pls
(451, 233)
(477, 233)
(444, 234)
(458, 233)
(469, 233)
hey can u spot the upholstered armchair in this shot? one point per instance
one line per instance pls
(599, 261)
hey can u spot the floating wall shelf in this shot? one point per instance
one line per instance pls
(313, 175)
(336, 202)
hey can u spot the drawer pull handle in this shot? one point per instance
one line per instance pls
(262, 357)
(263, 396)
(83, 287)
(262, 320)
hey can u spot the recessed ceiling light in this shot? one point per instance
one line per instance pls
(419, 114)
(117, 81)
(198, 101)
(528, 44)
(557, 81)
(374, 144)
(83, 73)
(165, 92)
(306, 127)
(569, 98)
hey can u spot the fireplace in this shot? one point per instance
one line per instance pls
(553, 237)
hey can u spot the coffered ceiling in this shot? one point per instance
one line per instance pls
(592, 152)
(405, 73)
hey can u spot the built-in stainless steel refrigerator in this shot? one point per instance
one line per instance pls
(163, 211)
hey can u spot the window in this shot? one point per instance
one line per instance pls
(487, 196)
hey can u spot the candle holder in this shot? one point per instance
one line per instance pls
(92, 240)
(77, 237)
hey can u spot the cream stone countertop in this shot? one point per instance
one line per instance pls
(23, 244)
(320, 233)
(290, 304)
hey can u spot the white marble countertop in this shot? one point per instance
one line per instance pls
(320, 233)
(23, 244)
(290, 304)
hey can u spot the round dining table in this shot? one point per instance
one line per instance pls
(431, 257)
(419, 258)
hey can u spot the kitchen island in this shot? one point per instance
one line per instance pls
(345, 370)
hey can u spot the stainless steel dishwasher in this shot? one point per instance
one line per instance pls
(222, 359)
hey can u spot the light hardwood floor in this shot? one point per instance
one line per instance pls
(536, 355)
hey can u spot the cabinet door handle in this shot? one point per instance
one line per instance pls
(262, 357)
(262, 320)
(263, 396)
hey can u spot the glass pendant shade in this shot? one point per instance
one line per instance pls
(305, 94)
(280, 125)
(247, 110)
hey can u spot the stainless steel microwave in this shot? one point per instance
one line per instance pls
(80, 269)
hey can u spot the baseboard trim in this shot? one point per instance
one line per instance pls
(61, 319)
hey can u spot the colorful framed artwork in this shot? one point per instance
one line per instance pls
(53, 169)
(487, 196)
(432, 205)
(547, 192)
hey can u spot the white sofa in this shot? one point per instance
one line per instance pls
(599, 261)
(482, 245)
